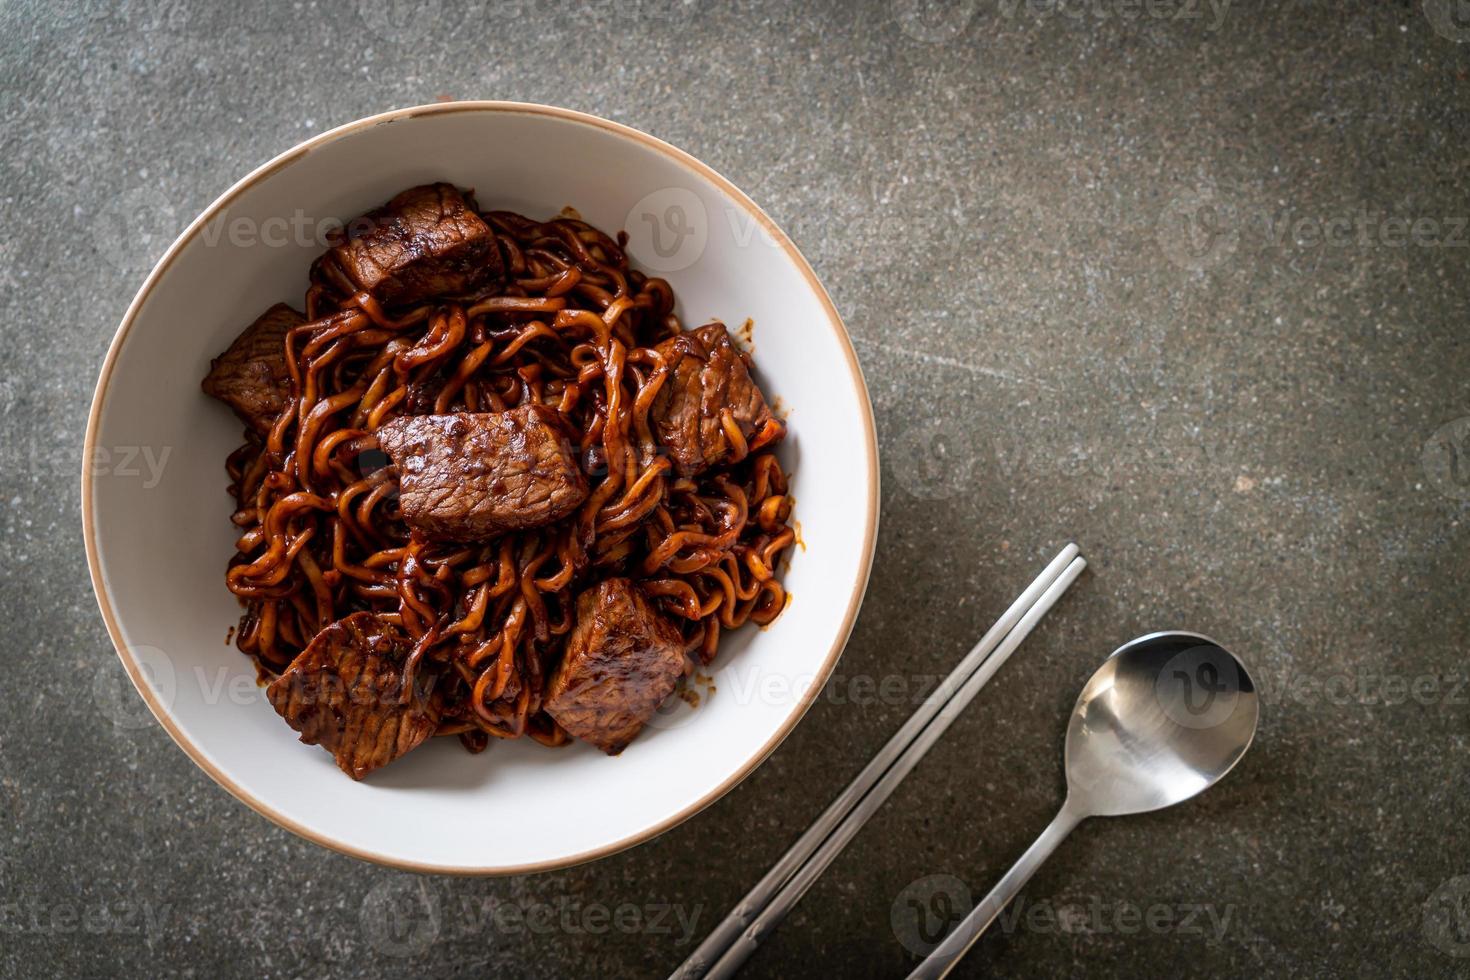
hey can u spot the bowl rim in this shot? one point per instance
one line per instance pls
(300, 150)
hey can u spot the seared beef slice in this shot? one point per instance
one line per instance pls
(425, 242)
(622, 659)
(466, 477)
(343, 692)
(708, 376)
(251, 377)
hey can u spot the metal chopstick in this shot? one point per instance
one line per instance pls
(722, 942)
(774, 912)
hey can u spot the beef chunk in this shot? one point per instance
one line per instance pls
(344, 691)
(251, 376)
(708, 376)
(466, 477)
(425, 242)
(622, 659)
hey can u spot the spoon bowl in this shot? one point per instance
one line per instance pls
(1165, 717)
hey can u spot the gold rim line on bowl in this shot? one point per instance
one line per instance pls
(834, 321)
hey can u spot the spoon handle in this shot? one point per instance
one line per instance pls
(958, 943)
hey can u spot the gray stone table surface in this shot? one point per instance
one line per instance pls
(1184, 281)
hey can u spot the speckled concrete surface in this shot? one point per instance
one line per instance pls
(1186, 282)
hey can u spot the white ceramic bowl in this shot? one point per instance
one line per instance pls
(155, 511)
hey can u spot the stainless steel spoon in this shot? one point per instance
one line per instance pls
(1162, 720)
